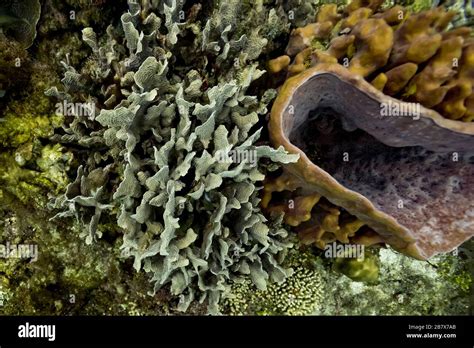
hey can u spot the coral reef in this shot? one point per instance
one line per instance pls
(69, 278)
(155, 143)
(32, 168)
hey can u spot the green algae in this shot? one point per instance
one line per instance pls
(23, 170)
(456, 268)
(70, 278)
(24, 121)
(13, 62)
(364, 269)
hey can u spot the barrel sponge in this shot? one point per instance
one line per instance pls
(408, 182)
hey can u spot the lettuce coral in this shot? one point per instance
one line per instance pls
(155, 141)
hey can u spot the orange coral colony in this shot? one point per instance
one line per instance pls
(408, 56)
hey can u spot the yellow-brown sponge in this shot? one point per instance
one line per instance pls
(410, 56)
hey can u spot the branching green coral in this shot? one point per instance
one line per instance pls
(189, 216)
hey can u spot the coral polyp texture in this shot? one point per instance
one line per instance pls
(403, 170)
(268, 157)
